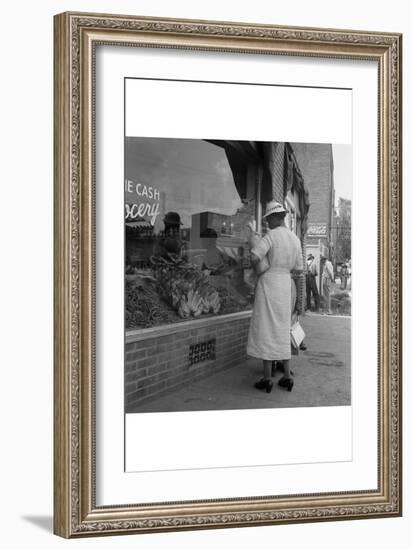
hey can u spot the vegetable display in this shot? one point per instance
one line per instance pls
(185, 287)
(144, 308)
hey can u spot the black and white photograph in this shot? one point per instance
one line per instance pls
(204, 309)
(238, 274)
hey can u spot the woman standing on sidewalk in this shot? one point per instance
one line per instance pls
(269, 331)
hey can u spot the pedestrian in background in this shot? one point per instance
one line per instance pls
(343, 276)
(311, 286)
(327, 278)
(170, 243)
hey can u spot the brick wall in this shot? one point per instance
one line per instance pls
(278, 159)
(159, 363)
(316, 164)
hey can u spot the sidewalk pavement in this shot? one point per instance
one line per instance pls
(321, 373)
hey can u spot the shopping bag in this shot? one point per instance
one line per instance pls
(297, 334)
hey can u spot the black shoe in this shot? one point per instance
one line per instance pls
(264, 384)
(286, 383)
(303, 346)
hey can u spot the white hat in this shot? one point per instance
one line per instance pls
(274, 207)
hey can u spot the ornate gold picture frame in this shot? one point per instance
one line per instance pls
(77, 511)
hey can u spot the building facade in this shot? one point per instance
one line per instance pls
(316, 164)
(167, 353)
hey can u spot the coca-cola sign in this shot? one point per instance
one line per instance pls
(317, 230)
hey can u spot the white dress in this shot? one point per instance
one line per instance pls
(269, 331)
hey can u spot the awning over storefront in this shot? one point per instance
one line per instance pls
(138, 227)
(294, 182)
(270, 157)
(242, 154)
(140, 223)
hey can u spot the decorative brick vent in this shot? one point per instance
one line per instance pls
(202, 351)
(164, 359)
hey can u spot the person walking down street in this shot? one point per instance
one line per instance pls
(343, 276)
(311, 286)
(269, 331)
(327, 278)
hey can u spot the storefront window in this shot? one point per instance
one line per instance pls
(186, 254)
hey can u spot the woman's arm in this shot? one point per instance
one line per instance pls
(260, 246)
(252, 236)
